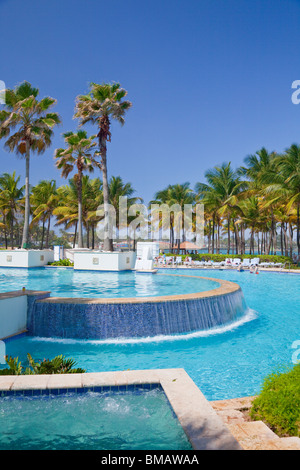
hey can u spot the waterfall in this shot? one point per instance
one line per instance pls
(134, 320)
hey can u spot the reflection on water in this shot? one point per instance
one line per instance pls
(70, 283)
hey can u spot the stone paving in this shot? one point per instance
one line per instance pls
(251, 435)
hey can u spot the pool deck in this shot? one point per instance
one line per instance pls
(252, 435)
(204, 428)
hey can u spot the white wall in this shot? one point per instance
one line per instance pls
(25, 258)
(13, 315)
(99, 261)
(154, 247)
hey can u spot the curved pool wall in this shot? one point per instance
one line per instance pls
(136, 317)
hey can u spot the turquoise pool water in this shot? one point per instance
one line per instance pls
(226, 363)
(91, 421)
(69, 283)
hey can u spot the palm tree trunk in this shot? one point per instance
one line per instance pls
(291, 240)
(228, 235)
(213, 235)
(79, 188)
(25, 238)
(87, 235)
(75, 234)
(43, 234)
(103, 135)
(285, 237)
(48, 232)
(93, 236)
(12, 233)
(5, 233)
(298, 228)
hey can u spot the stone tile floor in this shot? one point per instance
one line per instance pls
(251, 435)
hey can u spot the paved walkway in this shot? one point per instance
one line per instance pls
(251, 435)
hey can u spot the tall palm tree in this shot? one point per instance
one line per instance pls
(211, 198)
(118, 189)
(179, 195)
(260, 167)
(103, 102)
(79, 155)
(93, 199)
(10, 198)
(43, 201)
(34, 125)
(289, 167)
(225, 184)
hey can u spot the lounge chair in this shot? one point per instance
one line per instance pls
(246, 263)
(278, 265)
(265, 264)
(236, 262)
(255, 262)
(199, 263)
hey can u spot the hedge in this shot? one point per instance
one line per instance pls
(278, 404)
(217, 258)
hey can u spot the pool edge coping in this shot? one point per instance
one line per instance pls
(203, 427)
(225, 287)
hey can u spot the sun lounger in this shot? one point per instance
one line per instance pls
(246, 263)
(236, 262)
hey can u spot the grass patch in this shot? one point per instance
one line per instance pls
(278, 404)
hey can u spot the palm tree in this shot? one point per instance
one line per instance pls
(118, 189)
(92, 200)
(43, 201)
(289, 167)
(224, 184)
(10, 199)
(34, 131)
(78, 154)
(103, 102)
(260, 166)
(176, 195)
(66, 211)
(211, 198)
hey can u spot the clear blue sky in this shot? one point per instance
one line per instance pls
(210, 80)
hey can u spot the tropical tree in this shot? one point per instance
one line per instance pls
(103, 103)
(117, 190)
(10, 201)
(289, 166)
(176, 197)
(78, 154)
(92, 200)
(224, 185)
(43, 202)
(33, 124)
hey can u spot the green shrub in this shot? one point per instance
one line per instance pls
(58, 365)
(62, 262)
(278, 404)
(219, 257)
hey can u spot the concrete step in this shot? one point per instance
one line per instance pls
(252, 434)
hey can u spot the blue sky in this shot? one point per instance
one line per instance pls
(210, 80)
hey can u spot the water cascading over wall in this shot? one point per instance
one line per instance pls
(136, 318)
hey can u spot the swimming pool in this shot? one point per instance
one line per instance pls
(115, 420)
(89, 284)
(227, 362)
